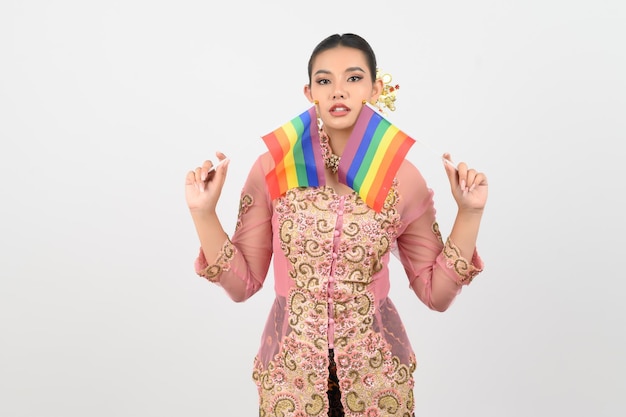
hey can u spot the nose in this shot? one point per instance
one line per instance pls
(339, 92)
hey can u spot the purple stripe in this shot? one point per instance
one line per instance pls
(354, 141)
(317, 147)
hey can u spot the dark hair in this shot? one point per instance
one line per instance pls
(349, 40)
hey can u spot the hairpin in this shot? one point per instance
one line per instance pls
(387, 97)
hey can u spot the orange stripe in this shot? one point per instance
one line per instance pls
(398, 157)
(384, 167)
(271, 141)
(281, 171)
(276, 146)
(283, 140)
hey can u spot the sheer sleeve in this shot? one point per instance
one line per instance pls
(436, 270)
(246, 257)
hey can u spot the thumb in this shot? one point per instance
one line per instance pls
(217, 177)
(222, 169)
(451, 170)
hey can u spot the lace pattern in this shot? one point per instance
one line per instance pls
(465, 270)
(245, 202)
(222, 263)
(330, 159)
(336, 245)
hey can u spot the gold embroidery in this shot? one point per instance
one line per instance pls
(373, 380)
(437, 232)
(463, 268)
(222, 263)
(245, 202)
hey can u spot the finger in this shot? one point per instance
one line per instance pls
(479, 179)
(461, 169)
(450, 168)
(198, 178)
(190, 178)
(469, 178)
(206, 168)
(218, 169)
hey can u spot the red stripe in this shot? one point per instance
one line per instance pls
(272, 184)
(273, 145)
(278, 145)
(398, 157)
(280, 167)
(385, 167)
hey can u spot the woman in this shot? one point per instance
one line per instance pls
(334, 343)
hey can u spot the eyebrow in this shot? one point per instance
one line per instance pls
(349, 69)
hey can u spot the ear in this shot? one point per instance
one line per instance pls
(307, 93)
(377, 89)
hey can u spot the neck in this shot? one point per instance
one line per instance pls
(338, 140)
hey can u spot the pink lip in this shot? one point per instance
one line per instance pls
(344, 110)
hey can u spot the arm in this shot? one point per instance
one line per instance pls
(469, 189)
(202, 193)
(437, 270)
(239, 265)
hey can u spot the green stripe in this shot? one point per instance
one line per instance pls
(298, 154)
(369, 155)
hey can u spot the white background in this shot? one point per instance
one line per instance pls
(105, 105)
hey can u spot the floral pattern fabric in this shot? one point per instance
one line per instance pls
(330, 255)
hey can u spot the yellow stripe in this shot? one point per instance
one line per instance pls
(376, 161)
(290, 163)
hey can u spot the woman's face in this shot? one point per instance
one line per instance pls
(340, 82)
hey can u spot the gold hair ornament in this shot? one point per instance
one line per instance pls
(387, 97)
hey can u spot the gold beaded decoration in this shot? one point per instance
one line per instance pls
(387, 97)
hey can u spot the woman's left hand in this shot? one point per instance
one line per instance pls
(469, 187)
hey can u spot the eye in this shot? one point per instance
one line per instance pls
(355, 78)
(323, 81)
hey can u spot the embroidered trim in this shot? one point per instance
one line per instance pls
(245, 203)
(465, 270)
(437, 231)
(330, 159)
(222, 263)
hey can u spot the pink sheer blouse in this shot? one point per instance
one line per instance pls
(330, 265)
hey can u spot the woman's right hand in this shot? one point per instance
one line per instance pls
(202, 193)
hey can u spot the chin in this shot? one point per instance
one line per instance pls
(342, 124)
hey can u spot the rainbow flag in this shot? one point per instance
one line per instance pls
(295, 148)
(372, 157)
